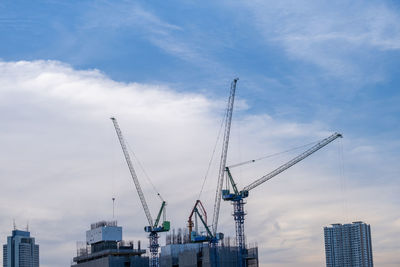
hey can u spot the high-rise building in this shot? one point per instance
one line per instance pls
(20, 250)
(348, 245)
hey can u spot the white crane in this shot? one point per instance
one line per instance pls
(153, 228)
(225, 143)
(198, 210)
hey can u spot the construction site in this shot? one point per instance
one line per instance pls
(202, 243)
(181, 251)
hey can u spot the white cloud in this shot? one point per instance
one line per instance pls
(339, 37)
(61, 164)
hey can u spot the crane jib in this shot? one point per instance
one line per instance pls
(132, 171)
(297, 159)
(228, 121)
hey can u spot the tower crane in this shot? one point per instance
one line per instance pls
(200, 213)
(153, 228)
(198, 210)
(237, 197)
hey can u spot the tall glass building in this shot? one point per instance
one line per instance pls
(20, 250)
(348, 245)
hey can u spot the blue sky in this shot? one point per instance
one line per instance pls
(293, 56)
(308, 66)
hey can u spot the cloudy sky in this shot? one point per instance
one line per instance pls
(306, 69)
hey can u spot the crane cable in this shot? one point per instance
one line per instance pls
(144, 171)
(212, 157)
(343, 183)
(269, 156)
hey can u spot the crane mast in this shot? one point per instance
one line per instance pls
(228, 121)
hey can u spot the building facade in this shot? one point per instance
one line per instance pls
(348, 245)
(203, 255)
(179, 251)
(104, 247)
(20, 250)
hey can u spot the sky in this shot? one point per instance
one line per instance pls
(306, 69)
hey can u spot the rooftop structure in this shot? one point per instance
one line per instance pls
(103, 231)
(104, 247)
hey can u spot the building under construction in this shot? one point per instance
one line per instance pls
(179, 251)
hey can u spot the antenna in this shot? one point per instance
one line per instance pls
(27, 226)
(113, 199)
(14, 225)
